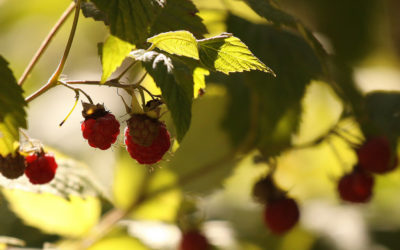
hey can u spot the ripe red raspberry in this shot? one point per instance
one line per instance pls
(41, 168)
(281, 215)
(356, 186)
(376, 155)
(148, 154)
(194, 240)
(143, 129)
(100, 128)
(12, 166)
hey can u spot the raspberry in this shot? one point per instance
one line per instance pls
(356, 186)
(148, 154)
(194, 240)
(100, 128)
(12, 166)
(281, 215)
(41, 168)
(143, 129)
(376, 155)
(266, 190)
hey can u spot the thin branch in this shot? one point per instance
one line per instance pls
(54, 78)
(110, 83)
(45, 43)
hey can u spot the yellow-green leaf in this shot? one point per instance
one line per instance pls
(199, 79)
(53, 214)
(181, 43)
(123, 242)
(114, 52)
(226, 53)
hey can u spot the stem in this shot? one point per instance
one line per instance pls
(54, 78)
(45, 43)
(110, 83)
(77, 90)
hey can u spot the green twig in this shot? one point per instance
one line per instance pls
(45, 43)
(54, 78)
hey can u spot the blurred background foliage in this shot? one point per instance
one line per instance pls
(203, 180)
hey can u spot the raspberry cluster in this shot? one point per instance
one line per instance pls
(281, 213)
(375, 156)
(39, 167)
(100, 127)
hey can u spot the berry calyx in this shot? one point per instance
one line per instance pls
(377, 156)
(100, 127)
(12, 166)
(41, 168)
(194, 240)
(281, 215)
(356, 186)
(152, 153)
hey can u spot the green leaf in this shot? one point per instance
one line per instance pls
(270, 11)
(175, 79)
(383, 114)
(114, 51)
(265, 110)
(181, 43)
(179, 15)
(118, 242)
(12, 113)
(226, 53)
(90, 10)
(199, 78)
(136, 20)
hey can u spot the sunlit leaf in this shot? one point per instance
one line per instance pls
(227, 54)
(114, 51)
(118, 242)
(53, 214)
(199, 75)
(12, 113)
(181, 43)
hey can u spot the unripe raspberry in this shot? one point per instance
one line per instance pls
(148, 154)
(356, 186)
(100, 128)
(377, 156)
(281, 215)
(12, 166)
(194, 240)
(41, 168)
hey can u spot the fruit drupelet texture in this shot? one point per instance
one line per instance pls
(101, 132)
(41, 168)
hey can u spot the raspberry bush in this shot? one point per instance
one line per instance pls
(256, 119)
